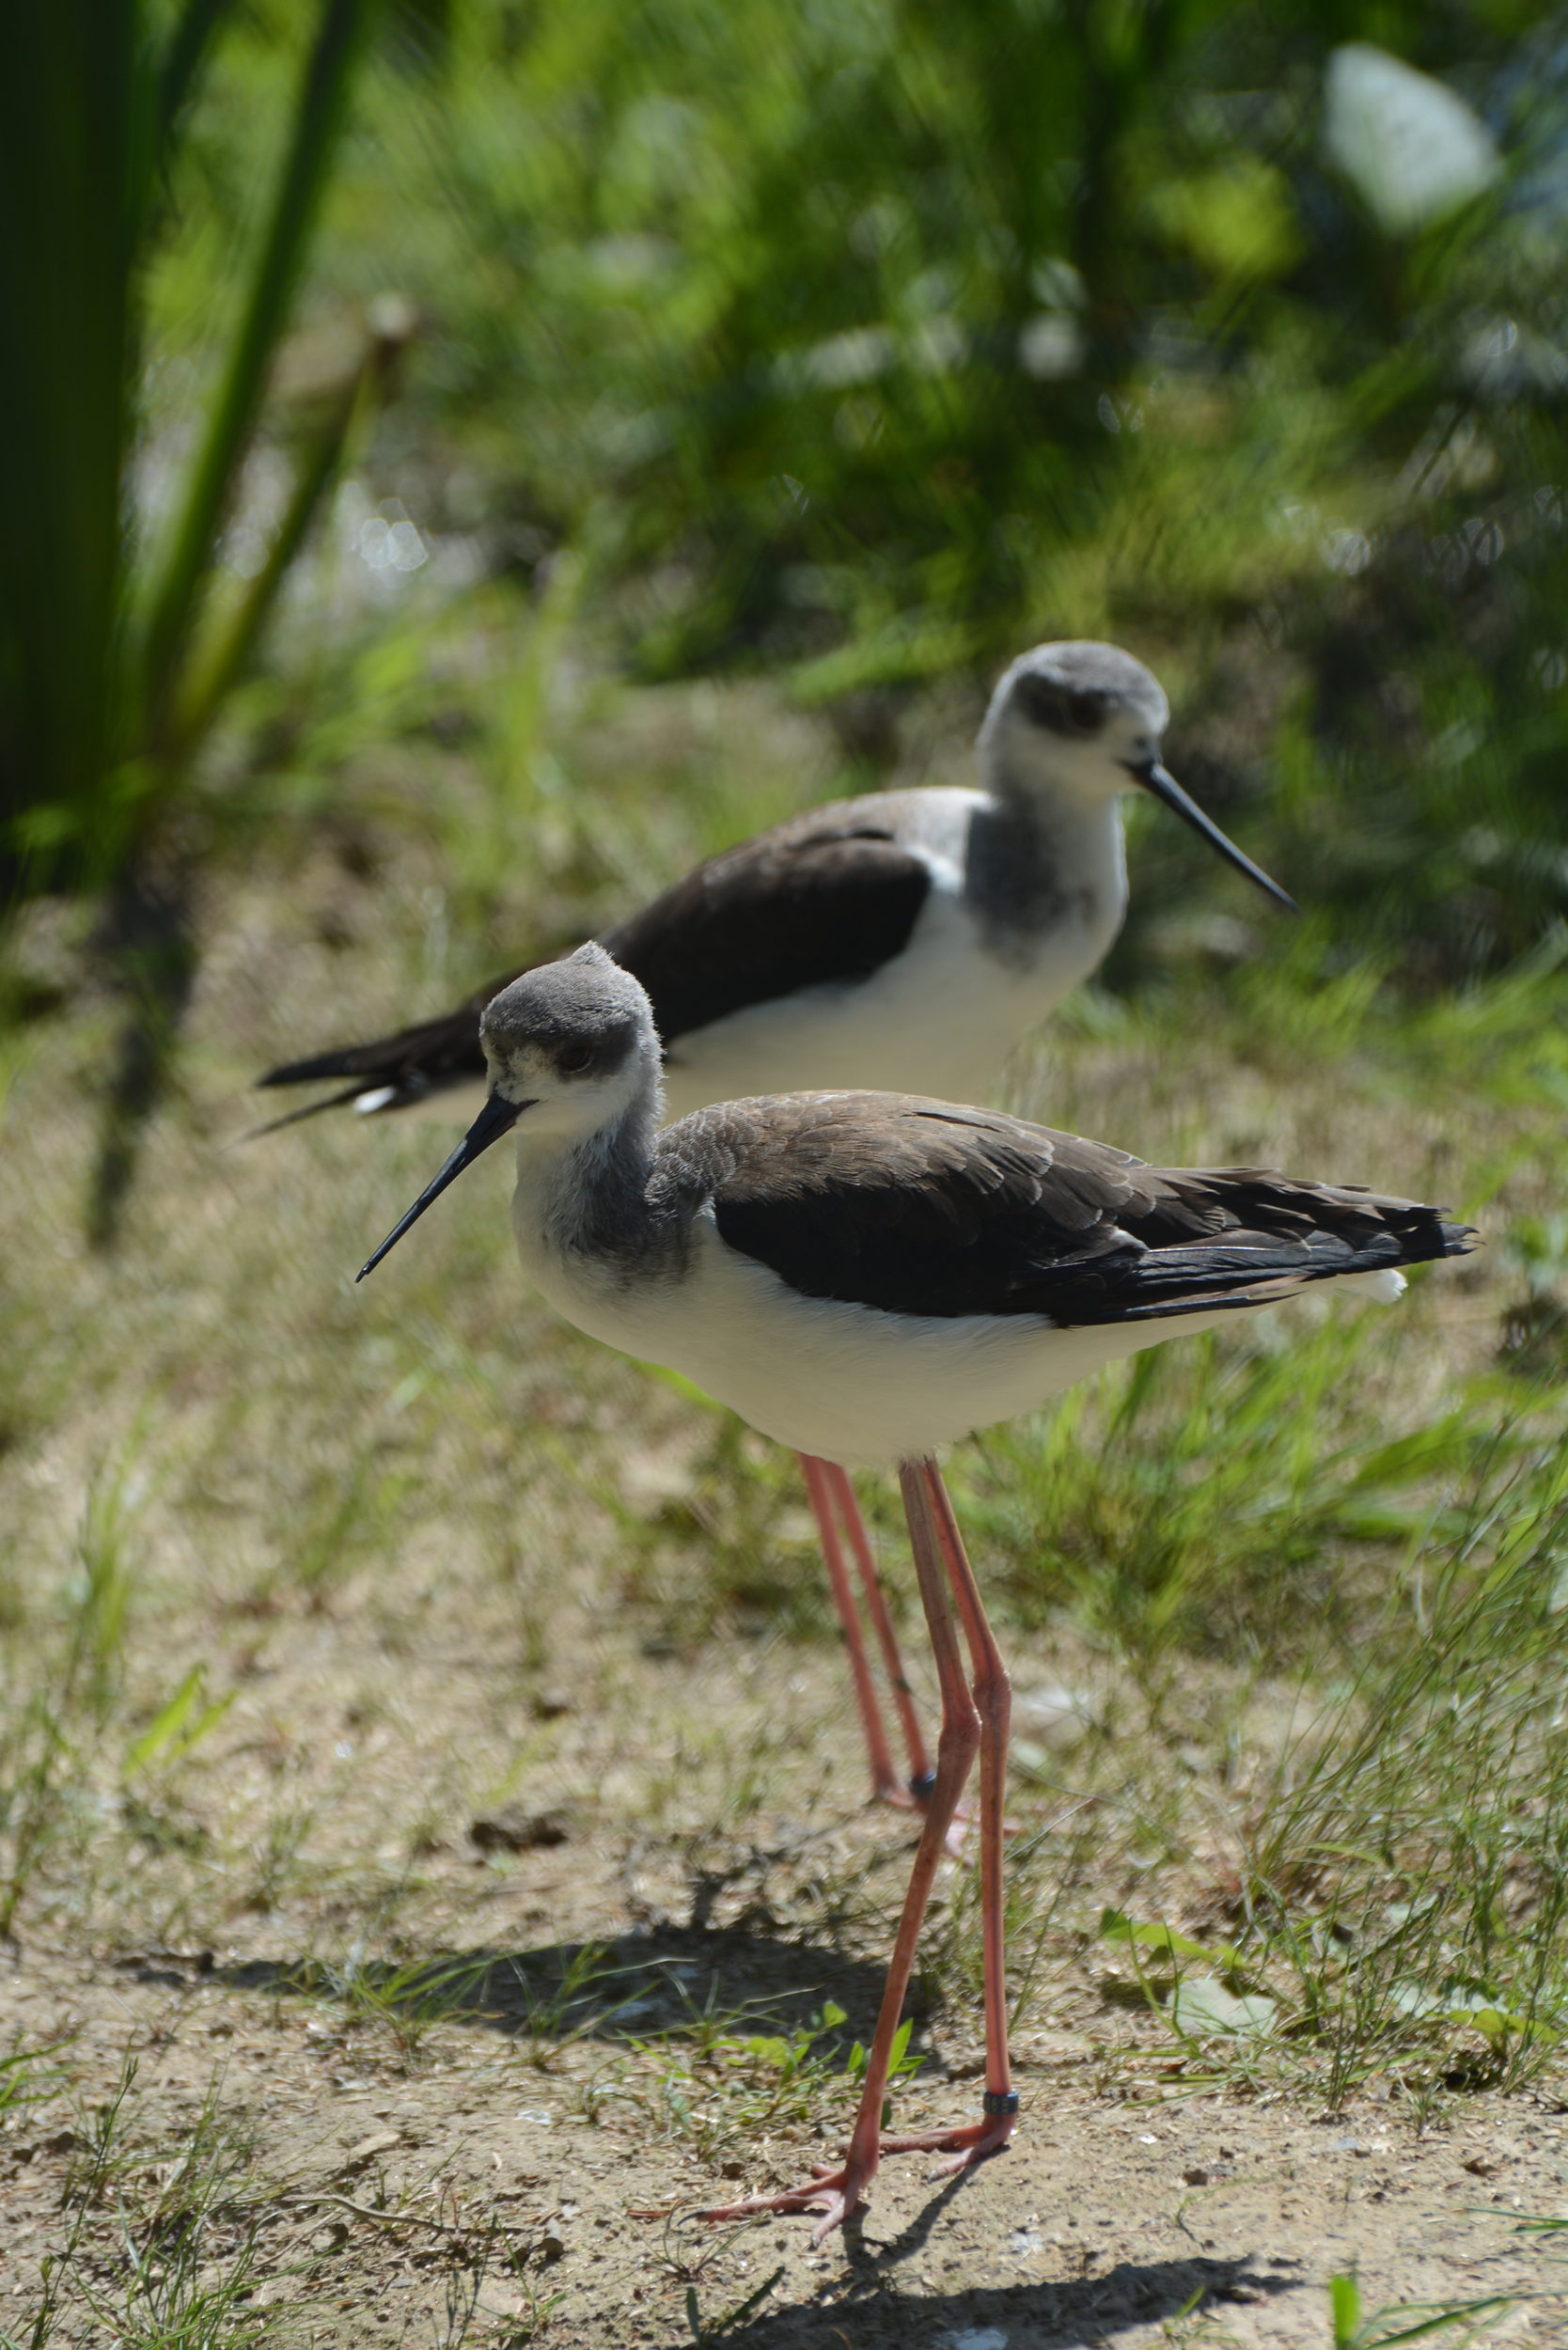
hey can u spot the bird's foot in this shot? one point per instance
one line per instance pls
(836, 2194)
(968, 2143)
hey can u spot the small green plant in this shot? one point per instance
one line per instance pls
(900, 2065)
(716, 2087)
(352, 1518)
(274, 1854)
(175, 1729)
(54, 1724)
(29, 2074)
(85, 2183)
(1407, 1881)
(547, 2012)
(407, 2001)
(704, 2330)
(185, 2223)
(539, 2308)
(593, 2097)
(1409, 2321)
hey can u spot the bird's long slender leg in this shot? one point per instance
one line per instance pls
(992, 1698)
(921, 1776)
(841, 2192)
(885, 1777)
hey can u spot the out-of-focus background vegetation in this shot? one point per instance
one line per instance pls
(462, 460)
(853, 346)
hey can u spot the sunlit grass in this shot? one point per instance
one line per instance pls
(304, 1579)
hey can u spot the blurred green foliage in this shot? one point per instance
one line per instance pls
(872, 341)
(104, 691)
(119, 647)
(865, 343)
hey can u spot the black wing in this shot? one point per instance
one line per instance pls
(416, 1061)
(923, 1208)
(827, 896)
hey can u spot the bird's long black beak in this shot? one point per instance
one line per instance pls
(1165, 787)
(497, 1117)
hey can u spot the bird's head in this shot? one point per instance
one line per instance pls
(1087, 721)
(570, 1048)
(569, 1044)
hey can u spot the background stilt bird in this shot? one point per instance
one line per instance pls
(904, 941)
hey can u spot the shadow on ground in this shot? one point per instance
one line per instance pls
(1038, 2315)
(1042, 2317)
(643, 1983)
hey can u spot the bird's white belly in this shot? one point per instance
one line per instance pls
(845, 1382)
(939, 1019)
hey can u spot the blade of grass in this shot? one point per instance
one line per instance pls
(199, 705)
(182, 61)
(318, 120)
(75, 154)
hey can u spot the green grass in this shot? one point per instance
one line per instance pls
(1472, 2321)
(1398, 1902)
(1318, 1517)
(1280, 1564)
(297, 1581)
(166, 2210)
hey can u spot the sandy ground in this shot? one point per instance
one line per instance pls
(1109, 2218)
(324, 1496)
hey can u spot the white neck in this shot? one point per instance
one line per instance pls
(581, 1188)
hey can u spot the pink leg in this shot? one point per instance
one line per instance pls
(992, 1696)
(940, 1563)
(885, 1778)
(921, 1771)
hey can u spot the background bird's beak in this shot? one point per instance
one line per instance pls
(1165, 787)
(497, 1117)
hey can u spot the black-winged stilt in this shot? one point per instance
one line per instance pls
(904, 941)
(867, 1276)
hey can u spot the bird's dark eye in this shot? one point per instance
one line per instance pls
(572, 1057)
(1046, 703)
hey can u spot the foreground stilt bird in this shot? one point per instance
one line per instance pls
(867, 1276)
(905, 940)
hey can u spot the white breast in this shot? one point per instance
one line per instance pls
(845, 1382)
(939, 1019)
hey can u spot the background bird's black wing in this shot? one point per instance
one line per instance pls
(921, 1208)
(828, 895)
(415, 1062)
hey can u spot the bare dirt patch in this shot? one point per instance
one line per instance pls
(506, 1875)
(466, 2196)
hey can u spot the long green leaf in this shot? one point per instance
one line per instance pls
(182, 60)
(76, 92)
(167, 1723)
(317, 122)
(199, 705)
(172, 1733)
